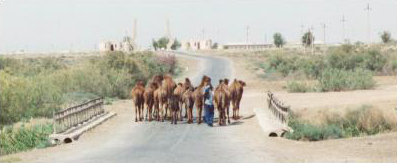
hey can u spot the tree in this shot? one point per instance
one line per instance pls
(162, 44)
(278, 40)
(215, 46)
(176, 45)
(386, 37)
(155, 44)
(308, 38)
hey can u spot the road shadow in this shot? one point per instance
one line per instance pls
(249, 117)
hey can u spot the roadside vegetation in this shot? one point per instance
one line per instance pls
(344, 68)
(362, 121)
(36, 87)
(25, 137)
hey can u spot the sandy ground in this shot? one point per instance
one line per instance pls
(378, 148)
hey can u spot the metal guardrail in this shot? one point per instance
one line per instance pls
(279, 110)
(74, 116)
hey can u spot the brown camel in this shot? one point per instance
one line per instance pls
(174, 108)
(236, 91)
(187, 86)
(199, 97)
(188, 101)
(149, 99)
(222, 101)
(159, 103)
(178, 92)
(139, 101)
(168, 85)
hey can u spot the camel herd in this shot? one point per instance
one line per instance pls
(166, 99)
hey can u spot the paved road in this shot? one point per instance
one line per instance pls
(162, 142)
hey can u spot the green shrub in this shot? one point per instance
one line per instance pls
(36, 87)
(345, 57)
(24, 138)
(304, 131)
(362, 121)
(295, 86)
(340, 80)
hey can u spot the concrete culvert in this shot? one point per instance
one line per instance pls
(283, 134)
(273, 134)
(67, 140)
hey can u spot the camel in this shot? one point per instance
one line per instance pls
(236, 91)
(174, 108)
(188, 101)
(186, 86)
(222, 100)
(168, 85)
(137, 96)
(199, 97)
(149, 99)
(159, 102)
(178, 92)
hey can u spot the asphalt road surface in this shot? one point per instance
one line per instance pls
(128, 141)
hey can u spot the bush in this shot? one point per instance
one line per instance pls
(345, 57)
(295, 86)
(303, 131)
(362, 121)
(38, 86)
(24, 138)
(341, 80)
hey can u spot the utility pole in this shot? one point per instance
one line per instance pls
(325, 44)
(368, 9)
(265, 38)
(343, 28)
(303, 33)
(312, 39)
(203, 33)
(247, 36)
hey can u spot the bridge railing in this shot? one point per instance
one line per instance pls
(74, 116)
(279, 110)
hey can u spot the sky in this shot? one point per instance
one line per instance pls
(80, 25)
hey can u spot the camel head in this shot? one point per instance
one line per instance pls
(242, 83)
(226, 81)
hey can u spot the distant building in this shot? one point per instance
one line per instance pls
(126, 45)
(197, 44)
(246, 46)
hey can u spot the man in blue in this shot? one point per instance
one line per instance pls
(208, 105)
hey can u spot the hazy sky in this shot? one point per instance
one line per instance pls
(40, 25)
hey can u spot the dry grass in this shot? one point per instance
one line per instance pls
(365, 120)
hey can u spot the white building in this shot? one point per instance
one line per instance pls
(246, 46)
(197, 44)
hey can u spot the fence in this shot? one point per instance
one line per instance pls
(71, 117)
(279, 110)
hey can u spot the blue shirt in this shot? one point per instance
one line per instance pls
(208, 99)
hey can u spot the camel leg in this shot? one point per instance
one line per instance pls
(142, 111)
(220, 116)
(186, 111)
(228, 118)
(139, 113)
(136, 113)
(199, 111)
(180, 110)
